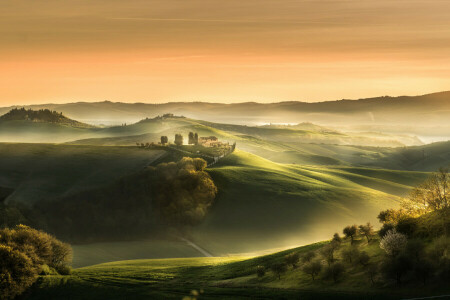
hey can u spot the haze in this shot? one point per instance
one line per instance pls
(221, 51)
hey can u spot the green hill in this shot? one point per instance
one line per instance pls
(233, 278)
(43, 171)
(262, 203)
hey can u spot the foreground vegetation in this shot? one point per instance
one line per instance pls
(25, 253)
(404, 259)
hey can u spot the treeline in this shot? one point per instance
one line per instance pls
(414, 243)
(24, 254)
(42, 115)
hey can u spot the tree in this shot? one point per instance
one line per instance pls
(292, 259)
(367, 231)
(372, 272)
(350, 254)
(423, 270)
(363, 258)
(308, 256)
(396, 267)
(385, 228)
(393, 243)
(278, 269)
(335, 271)
(164, 140)
(260, 271)
(336, 238)
(191, 139)
(184, 192)
(432, 195)
(178, 139)
(312, 268)
(196, 138)
(199, 164)
(350, 232)
(328, 251)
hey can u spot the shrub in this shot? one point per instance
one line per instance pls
(393, 242)
(260, 271)
(64, 270)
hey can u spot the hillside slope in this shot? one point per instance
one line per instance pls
(43, 171)
(261, 203)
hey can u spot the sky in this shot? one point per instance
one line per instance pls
(221, 51)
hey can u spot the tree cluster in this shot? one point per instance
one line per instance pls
(193, 138)
(184, 192)
(26, 252)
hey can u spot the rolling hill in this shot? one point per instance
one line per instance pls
(43, 171)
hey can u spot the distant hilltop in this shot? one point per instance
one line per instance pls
(42, 115)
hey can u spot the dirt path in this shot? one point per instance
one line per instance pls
(196, 247)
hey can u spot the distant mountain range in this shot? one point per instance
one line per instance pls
(425, 115)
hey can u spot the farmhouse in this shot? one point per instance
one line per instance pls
(211, 141)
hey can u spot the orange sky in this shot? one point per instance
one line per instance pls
(221, 51)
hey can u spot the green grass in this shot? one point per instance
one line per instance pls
(224, 278)
(44, 171)
(95, 253)
(261, 203)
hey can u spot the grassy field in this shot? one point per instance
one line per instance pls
(265, 205)
(91, 254)
(43, 171)
(223, 278)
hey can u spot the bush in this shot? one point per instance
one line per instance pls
(260, 271)
(46, 270)
(64, 270)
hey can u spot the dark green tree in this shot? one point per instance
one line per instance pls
(350, 232)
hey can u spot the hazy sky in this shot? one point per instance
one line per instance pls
(224, 51)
